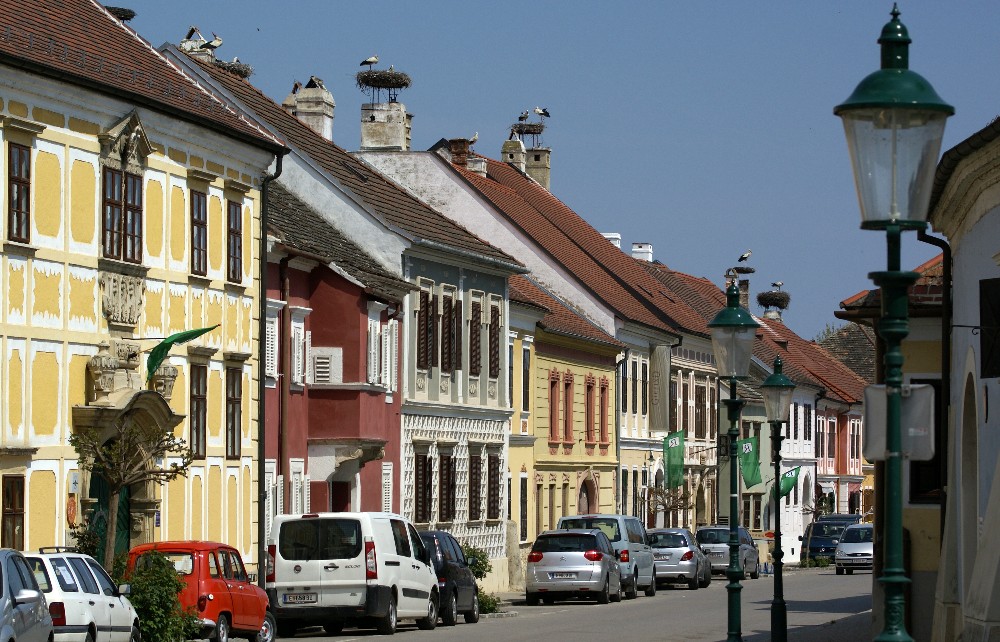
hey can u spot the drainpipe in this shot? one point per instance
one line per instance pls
(618, 436)
(261, 360)
(941, 438)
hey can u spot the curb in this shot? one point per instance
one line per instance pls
(498, 615)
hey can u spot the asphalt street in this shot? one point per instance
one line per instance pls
(821, 606)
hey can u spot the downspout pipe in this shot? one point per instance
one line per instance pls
(261, 362)
(941, 436)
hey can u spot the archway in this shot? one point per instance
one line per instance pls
(587, 497)
(99, 517)
(969, 488)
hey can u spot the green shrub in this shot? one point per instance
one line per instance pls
(819, 562)
(479, 562)
(488, 603)
(87, 540)
(154, 595)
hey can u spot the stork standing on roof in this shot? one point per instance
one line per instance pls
(474, 138)
(315, 82)
(777, 285)
(542, 111)
(744, 256)
(523, 117)
(192, 30)
(214, 43)
(370, 61)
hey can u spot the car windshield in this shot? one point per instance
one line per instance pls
(857, 535)
(565, 543)
(607, 524)
(827, 529)
(327, 538)
(183, 562)
(713, 536)
(667, 540)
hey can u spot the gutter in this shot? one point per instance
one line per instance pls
(508, 266)
(261, 362)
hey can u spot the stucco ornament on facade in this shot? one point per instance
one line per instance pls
(122, 298)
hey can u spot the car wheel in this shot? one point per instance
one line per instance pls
(549, 600)
(286, 629)
(530, 599)
(651, 589)
(222, 629)
(632, 591)
(136, 635)
(90, 637)
(449, 609)
(471, 617)
(335, 627)
(387, 623)
(708, 580)
(840, 571)
(605, 595)
(693, 583)
(431, 621)
(756, 571)
(849, 571)
(617, 595)
(266, 633)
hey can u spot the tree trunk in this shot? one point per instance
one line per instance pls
(111, 534)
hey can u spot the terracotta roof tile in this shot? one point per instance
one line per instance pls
(854, 346)
(927, 292)
(388, 200)
(80, 42)
(560, 318)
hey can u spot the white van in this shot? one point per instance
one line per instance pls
(330, 568)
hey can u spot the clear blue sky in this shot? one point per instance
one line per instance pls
(704, 128)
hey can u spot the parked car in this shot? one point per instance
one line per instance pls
(83, 600)
(628, 537)
(677, 558)
(820, 539)
(24, 614)
(332, 568)
(216, 586)
(846, 518)
(457, 589)
(714, 542)
(856, 549)
(578, 562)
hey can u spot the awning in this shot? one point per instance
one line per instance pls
(828, 487)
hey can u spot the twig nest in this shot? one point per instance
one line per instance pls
(121, 13)
(240, 69)
(382, 79)
(774, 299)
(530, 129)
(744, 269)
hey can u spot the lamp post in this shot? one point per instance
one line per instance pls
(733, 333)
(777, 390)
(894, 122)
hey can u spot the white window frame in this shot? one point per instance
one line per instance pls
(387, 487)
(297, 363)
(271, 338)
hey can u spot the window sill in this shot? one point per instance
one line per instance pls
(122, 267)
(199, 279)
(19, 248)
(494, 522)
(236, 288)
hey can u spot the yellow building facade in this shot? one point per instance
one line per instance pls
(124, 224)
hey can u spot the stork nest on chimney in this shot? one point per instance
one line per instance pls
(774, 299)
(382, 79)
(121, 13)
(744, 269)
(530, 129)
(240, 69)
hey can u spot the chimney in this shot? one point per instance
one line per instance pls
(313, 104)
(642, 251)
(513, 152)
(745, 294)
(774, 315)
(385, 127)
(477, 164)
(459, 149)
(614, 237)
(538, 165)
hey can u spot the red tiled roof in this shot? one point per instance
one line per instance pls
(560, 319)
(80, 42)
(389, 201)
(927, 292)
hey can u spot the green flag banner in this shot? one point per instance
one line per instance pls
(159, 352)
(673, 454)
(787, 481)
(747, 450)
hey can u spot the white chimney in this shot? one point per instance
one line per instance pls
(513, 152)
(385, 126)
(614, 237)
(642, 252)
(314, 106)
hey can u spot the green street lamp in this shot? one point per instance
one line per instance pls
(894, 123)
(777, 390)
(733, 333)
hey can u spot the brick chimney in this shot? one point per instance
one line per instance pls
(513, 152)
(385, 127)
(459, 150)
(313, 104)
(538, 165)
(745, 294)
(642, 251)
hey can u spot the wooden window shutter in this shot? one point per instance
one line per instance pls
(475, 487)
(475, 339)
(494, 341)
(422, 323)
(447, 334)
(457, 328)
(493, 492)
(420, 488)
(432, 332)
(271, 349)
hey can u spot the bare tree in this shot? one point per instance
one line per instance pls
(128, 457)
(663, 500)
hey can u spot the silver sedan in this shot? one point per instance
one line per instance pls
(678, 558)
(572, 563)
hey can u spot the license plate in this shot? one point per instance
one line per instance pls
(661, 557)
(299, 598)
(564, 576)
(718, 554)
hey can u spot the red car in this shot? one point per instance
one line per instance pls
(217, 587)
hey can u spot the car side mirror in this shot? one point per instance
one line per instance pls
(27, 596)
(800, 538)
(125, 589)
